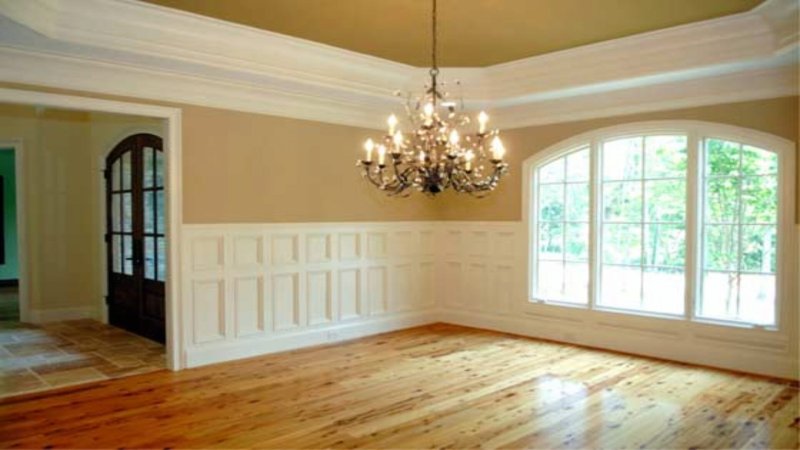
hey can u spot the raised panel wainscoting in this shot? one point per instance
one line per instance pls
(260, 288)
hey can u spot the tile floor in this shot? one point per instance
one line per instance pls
(35, 358)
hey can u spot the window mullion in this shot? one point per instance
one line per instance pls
(594, 222)
(694, 201)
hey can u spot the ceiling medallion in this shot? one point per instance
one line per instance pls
(445, 151)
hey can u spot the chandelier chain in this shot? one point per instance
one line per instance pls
(434, 65)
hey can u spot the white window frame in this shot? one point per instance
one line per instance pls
(696, 132)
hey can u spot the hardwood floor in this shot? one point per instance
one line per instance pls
(436, 386)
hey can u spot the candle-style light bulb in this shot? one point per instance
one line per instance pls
(498, 150)
(422, 157)
(428, 109)
(398, 139)
(483, 118)
(381, 155)
(392, 122)
(454, 137)
(368, 147)
(468, 157)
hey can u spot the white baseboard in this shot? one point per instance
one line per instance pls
(262, 345)
(770, 363)
(57, 314)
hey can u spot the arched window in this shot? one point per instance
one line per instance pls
(681, 219)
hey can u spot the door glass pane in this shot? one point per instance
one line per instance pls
(149, 258)
(161, 265)
(577, 204)
(159, 169)
(127, 212)
(149, 217)
(160, 212)
(115, 212)
(576, 242)
(756, 161)
(622, 244)
(721, 247)
(116, 253)
(148, 177)
(126, 170)
(759, 247)
(757, 298)
(760, 199)
(551, 238)
(550, 285)
(115, 175)
(576, 282)
(664, 245)
(722, 200)
(553, 172)
(127, 252)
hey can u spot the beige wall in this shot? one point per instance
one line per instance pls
(776, 116)
(240, 167)
(63, 153)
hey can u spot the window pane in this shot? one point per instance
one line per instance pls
(126, 170)
(622, 244)
(576, 282)
(149, 258)
(127, 212)
(759, 246)
(578, 202)
(757, 298)
(115, 213)
(115, 175)
(722, 158)
(127, 252)
(665, 156)
(116, 253)
(576, 245)
(663, 290)
(622, 201)
(160, 212)
(719, 295)
(722, 200)
(161, 263)
(578, 166)
(664, 245)
(720, 247)
(550, 280)
(551, 238)
(760, 199)
(159, 169)
(551, 202)
(756, 161)
(622, 159)
(665, 200)
(621, 286)
(553, 172)
(148, 178)
(149, 217)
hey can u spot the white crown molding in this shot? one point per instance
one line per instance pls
(131, 48)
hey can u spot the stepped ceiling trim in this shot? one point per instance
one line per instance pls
(125, 47)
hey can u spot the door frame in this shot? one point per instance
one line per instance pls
(16, 145)
(174, 197)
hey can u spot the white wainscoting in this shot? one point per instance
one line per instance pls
(484, 265)
(256, 289)
(259, 288)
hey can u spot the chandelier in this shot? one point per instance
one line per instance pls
(444, 150)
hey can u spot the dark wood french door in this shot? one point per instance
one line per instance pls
(135, 236)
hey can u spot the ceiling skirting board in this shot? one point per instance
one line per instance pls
(125, 47)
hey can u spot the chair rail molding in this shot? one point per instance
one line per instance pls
(131, 48)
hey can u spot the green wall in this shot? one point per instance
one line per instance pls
(9, 270)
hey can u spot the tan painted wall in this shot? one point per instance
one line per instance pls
(775, 116)
(63, 153)
(240, 167)
(56, 208)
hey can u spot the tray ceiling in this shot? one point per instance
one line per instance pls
(473, 33)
